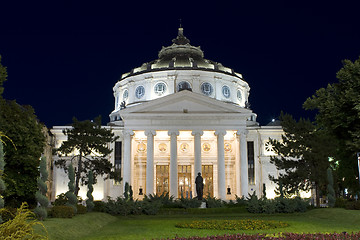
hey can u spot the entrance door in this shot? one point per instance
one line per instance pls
(207, 174)
(162, 179)
(184, 181)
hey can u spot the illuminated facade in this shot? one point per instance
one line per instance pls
(180, 115)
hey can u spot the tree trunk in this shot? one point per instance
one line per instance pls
(78, 175)
(317, 197)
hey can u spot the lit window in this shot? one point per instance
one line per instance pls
(160, 89)
(183, 86)
(125, 95)
(226, 91)
(140, 92)
(269, 148)
(238, 94)
(207, 88)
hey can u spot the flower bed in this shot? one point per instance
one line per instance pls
(282, 236)
(244, 224)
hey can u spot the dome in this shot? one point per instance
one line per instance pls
(179, 66)
(181, 55)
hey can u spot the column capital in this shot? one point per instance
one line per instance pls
(220, 133)
(197, 132)
(150, 133)
(242, 132)
(173, 132)
(128, 133)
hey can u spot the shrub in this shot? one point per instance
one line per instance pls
(268, 206)
(278, 205)
(72, 199)
(98, 206)
(40, 195)
(189, 203)
(254, 205)
(213, 202)
(241, 201)
(165, 199)
(119, 207)
(60, 200)
(151, 208)
(62, 212)
(90, 200)
(353, 205)
(340, 202)
(301, 205)
(81, 209)
(21, 227)
(284, 205)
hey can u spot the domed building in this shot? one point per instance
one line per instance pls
(178, 116)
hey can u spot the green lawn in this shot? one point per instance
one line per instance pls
(104, 226)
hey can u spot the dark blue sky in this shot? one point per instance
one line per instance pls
(64, 58)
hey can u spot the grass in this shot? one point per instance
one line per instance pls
(104, 226)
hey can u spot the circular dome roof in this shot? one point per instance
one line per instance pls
(181, 55)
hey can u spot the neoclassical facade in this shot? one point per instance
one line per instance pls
(178, 116)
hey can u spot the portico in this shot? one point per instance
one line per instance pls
(167, 148)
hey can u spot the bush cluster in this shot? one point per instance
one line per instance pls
(62, 212)
(243, 224)
(352, 205)
(349, 204)
(281, 236)
(81, 209)
(277, 205)
(153, 204)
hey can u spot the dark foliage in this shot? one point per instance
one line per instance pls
(302, 156)
(81, 209)
(62, 212)
(338, 112)
(20, 124)
(278, 205)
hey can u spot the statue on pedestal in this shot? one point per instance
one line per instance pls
(199, 186)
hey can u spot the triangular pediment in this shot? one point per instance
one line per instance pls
(185, 102)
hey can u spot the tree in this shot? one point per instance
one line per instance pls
(71, 197)
(330, 188)
(338, 107)
(90, 201)
(3, 77)
(2, 183)
(20, 125)
(87, 142)
(40, 195)
(302, 156)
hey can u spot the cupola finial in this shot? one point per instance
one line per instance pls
(181, 39)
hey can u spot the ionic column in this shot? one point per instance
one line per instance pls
(221, 164)
(197, 151)
(150, 162)
(173, 163)
(127, 157)
(243, 163)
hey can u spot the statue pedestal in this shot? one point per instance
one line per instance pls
(203, 205)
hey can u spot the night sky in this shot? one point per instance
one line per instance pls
(64, 57)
